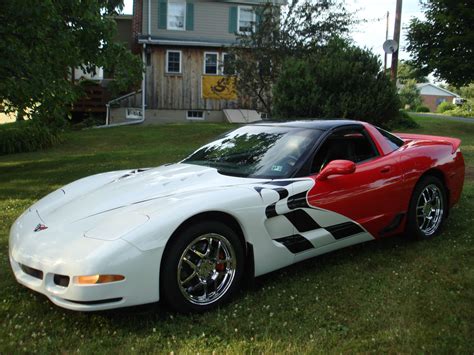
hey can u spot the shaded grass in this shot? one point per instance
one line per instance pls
(389, 296)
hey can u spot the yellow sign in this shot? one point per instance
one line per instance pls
(218, 87)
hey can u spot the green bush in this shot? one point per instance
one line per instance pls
(26, 136)
(460, 111)
(445, 106)
(422, 109)
(339, 81)
(402, 120)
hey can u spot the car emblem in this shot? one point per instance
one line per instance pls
(40, 227)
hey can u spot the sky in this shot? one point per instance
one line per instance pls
(370, 34)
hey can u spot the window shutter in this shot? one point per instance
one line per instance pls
(162, 14)
(233, 19)
(258, 16)
(189, 17)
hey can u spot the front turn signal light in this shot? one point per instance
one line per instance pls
(97, 279)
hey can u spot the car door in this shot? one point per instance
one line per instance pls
(368, 196)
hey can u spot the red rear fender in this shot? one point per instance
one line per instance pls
(426, 139)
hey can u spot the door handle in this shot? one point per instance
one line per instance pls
(386, 169)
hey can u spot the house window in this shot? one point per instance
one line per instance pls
(173, 62)
(440, 100)
(210, 63)
(176, 16)
(246, 19)
(195, 115)
(226, 64)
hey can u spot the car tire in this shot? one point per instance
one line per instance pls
(202, 267)
(428, 208)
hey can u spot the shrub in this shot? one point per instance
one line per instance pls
(422, 109)
(402, 120)
(26, 136)
(461, 111)
(445, 106)
(339, 81)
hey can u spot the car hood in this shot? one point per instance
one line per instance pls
(106, 192)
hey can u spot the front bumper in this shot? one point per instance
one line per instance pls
(51, 273)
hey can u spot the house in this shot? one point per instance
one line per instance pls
(184, 46)
(432, 95)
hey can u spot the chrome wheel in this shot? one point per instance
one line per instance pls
(429, 209)
(206, 269)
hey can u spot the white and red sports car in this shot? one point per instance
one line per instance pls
(255, 200)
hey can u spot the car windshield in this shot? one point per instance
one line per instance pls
(257, 151)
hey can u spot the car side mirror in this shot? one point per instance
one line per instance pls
(337, 167)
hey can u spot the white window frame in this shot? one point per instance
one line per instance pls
(222, 65)
(195, 118)
(184, 19)
(180, 61)
(254, 18)
(217, 63)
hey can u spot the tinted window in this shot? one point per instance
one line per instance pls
(347, 144)
(393, 140)
(257, 151)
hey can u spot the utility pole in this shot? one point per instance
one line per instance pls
(396, 37)
(386, 37)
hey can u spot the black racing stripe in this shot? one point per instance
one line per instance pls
(295, 243)
(283, 193)
(344, 230)
(259, 190)
(270, 211)
(298, 201)
(302, 221)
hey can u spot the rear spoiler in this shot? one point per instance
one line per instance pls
(408, 137)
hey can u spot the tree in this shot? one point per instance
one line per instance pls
(340, 80)
(444, 42)
(41, 41)
(294, 31)
(407, 71)
(410, 95)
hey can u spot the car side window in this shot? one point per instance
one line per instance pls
(392, 139)
(347, 144)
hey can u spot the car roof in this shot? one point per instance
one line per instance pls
(323, 125)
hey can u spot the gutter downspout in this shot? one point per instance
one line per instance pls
(149, 19)
(143, 80)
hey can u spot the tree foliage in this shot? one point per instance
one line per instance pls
(41, 41)
(295, 30)
(407, 71)
(339, 80)
(410, 95)
(444, 42)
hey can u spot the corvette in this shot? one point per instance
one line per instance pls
(256, 199)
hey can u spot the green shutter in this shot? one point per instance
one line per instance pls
(189, 16)
(162, 14)
(258, 16)
(233, 19)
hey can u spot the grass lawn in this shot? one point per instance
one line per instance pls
(393, 295)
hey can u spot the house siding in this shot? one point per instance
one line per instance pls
(432, 101)
(166, 91)
(210, 23)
